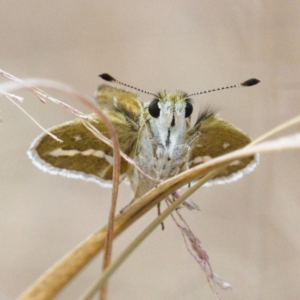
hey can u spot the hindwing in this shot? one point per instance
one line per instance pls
(218, 137)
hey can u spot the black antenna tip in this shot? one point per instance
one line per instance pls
(107, 77)
(250, 82)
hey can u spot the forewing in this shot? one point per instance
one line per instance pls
(118, 100)
(218, 137)
(81, 154)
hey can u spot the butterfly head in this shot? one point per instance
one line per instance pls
(169, 118)
(170, 110)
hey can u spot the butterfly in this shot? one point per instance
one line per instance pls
(157, 135)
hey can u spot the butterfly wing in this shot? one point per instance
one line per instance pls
(218, 137)
(111, 99)
(81, 154)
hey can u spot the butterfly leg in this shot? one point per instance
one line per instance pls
(190, 143)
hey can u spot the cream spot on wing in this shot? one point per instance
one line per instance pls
(99, 153)
(77, 138)
(109, 159)
(89, 152)
(60, 152)
(201, 159)
(199, 146)
(235, 163)
(226, 145)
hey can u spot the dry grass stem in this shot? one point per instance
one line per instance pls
(115, 145)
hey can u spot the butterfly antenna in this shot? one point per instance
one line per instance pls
(109, 78)
(248, 82)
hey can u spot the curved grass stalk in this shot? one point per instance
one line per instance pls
(276, 130)
(290, 143)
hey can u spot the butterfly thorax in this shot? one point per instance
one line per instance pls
(162, 151)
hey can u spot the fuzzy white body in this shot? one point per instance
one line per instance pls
(162, 149)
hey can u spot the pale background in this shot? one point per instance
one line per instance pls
(249, 228)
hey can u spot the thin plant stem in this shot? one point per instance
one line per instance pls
(111, 220)
(276, 130)
(116, 153)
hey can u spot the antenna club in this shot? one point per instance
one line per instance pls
(107, 77)
(250, 82)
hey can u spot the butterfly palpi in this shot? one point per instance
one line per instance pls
(157, 135)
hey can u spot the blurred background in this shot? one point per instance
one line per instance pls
(249, 228)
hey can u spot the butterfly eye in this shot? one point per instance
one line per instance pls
(188, 108)
(154, 109)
